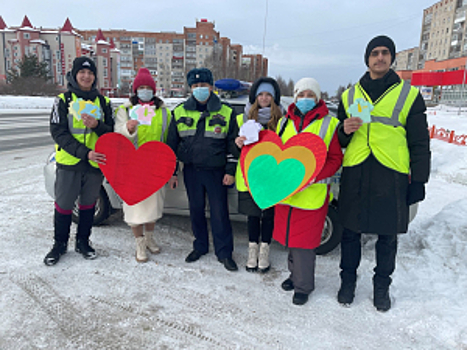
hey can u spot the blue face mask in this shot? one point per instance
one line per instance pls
(305, 104)
(201, 93)
(145, 95)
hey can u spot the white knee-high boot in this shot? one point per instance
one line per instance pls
(141, 255)
(263, 261)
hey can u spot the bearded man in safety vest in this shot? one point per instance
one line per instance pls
(202, 134)
(386, 165)
(78, 173)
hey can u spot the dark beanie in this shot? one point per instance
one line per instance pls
(83, 62)
(199, 75)
(381, 40)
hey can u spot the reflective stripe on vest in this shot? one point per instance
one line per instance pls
(80, 132)
(314, 196)
(385, 136)
(187, 122)
(239, 179)
(155, 131)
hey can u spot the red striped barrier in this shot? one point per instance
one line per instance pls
(448, 136)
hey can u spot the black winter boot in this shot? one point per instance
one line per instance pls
(346, 293)
(54, 255)
(62, 223)
(86, 218)
(381, 299)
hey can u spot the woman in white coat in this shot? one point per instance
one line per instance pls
(142, 216)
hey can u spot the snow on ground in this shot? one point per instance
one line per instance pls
(114, 302)
(17, 104)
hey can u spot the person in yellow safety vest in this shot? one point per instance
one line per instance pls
(202, 135)
(299, 221)
(78, 173)
(386, 165)
(142, 216)
(264, 108)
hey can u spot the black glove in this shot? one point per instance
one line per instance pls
(415, 192)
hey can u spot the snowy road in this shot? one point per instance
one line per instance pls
(115, 303)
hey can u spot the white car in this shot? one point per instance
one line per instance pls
(176, 201)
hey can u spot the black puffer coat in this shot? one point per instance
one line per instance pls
(372, 197)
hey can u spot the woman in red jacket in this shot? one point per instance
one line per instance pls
(299, 220)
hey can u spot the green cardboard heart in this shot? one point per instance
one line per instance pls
(272, 186)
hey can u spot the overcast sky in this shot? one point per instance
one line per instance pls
(320, 39)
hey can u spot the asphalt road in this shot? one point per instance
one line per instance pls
(19, 131)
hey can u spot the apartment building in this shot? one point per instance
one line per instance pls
(120, 53)
(443, 31)
(254, 66)
(58, 47)
(170, 55)
(407, 59)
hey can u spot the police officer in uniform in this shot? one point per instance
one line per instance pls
(202, 135)
(78, 173)
(385, 168)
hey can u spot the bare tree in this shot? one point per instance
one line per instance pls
(283, 86)
(290, 87)
(340, 91)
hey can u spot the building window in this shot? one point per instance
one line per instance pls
(105, 73)
(104, 50)
(201, 36)
(26, 36)
(104, 62)
(207, 36)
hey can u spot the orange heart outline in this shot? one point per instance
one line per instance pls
(300, 153)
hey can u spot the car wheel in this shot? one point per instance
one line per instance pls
(102, 209)
(332, 232)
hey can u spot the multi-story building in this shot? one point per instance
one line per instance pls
(120, 53)
(443, 33)
(254, 66)
(57, 47)
(170, 55)
(407, 59)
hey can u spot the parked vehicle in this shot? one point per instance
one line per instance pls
(176, 201)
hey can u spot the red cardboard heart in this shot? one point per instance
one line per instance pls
(135, 174)
(297, 161)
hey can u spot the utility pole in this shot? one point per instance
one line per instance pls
(462, 89)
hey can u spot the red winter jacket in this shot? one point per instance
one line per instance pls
(299, 228)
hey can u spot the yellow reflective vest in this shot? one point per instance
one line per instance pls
(314, 196)
(217, 123)
(156, 131)
(385, 136)
(239, 179)
(80, 132)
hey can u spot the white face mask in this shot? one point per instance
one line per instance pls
(145, 95)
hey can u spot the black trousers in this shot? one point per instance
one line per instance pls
(351, 252)
(261, 226)
(198, 183)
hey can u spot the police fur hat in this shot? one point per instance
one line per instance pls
(381, 40)
(83, 62)
(265, 80)
(199, 75)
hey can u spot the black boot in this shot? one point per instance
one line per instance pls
(346, 293)
(381, 299)
(62, 223)
(54, 255)
(86, 218)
